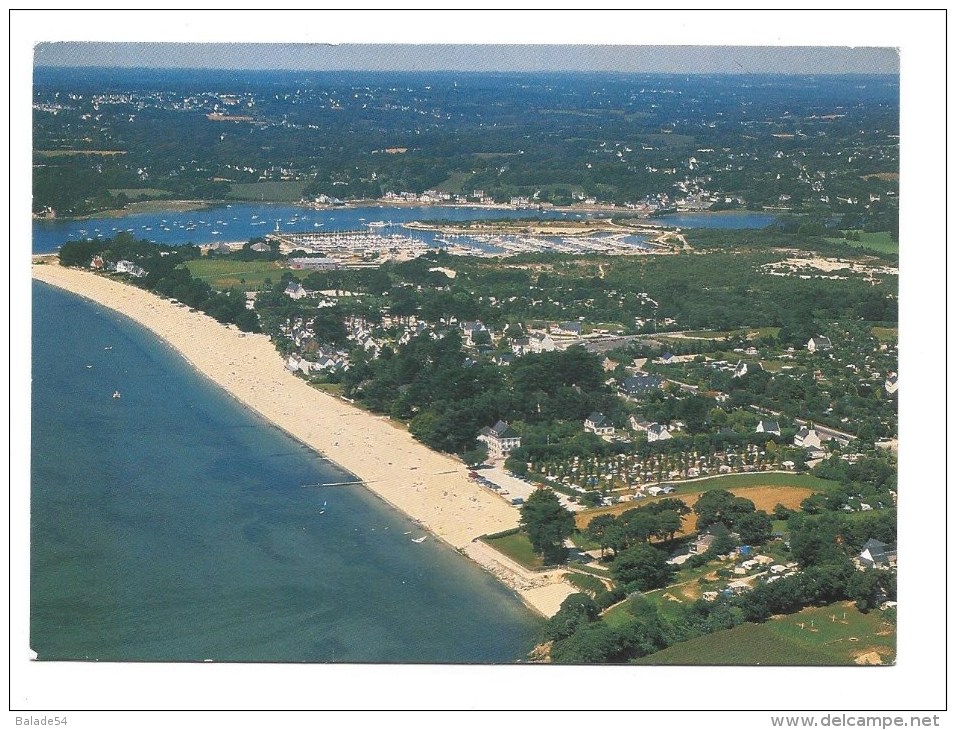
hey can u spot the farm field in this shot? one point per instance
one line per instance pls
(765, 498)
(224, 274)
(830, 635)
(764, 490)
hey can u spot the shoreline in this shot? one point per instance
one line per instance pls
(159, 205)
(431, 488)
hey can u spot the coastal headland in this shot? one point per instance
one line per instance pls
(429, 487)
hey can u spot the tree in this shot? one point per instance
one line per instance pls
(576, 610)
(641, 568)
(594, 643)
(329, 327)
(719, 505)
(475, 456)
(547, 524)
(668, 524)
(607, 531)
(638, 525)
(755, 528)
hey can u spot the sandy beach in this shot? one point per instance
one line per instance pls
(429, 487)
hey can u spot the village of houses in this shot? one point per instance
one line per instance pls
(625, 476)
(619, 478)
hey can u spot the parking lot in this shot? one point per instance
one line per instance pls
(511, 488)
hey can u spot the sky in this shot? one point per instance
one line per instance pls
(473, 57)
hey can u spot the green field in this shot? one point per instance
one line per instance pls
(134, 193)
(814, 636)
(454, 183)
(279, 191)
(886, 334)
(516, 546)
(750, 332)
(761, 479)
(224, 274)
(880, 241)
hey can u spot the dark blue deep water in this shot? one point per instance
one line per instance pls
(171, 525)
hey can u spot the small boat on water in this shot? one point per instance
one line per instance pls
(419, 540)
(322, 511)
(117, 394)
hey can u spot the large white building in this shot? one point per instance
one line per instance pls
(500, 439)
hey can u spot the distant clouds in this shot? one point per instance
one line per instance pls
(472, 57)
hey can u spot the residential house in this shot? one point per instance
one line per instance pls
(877, 554)
(768, 427)
(702, 543)
(541, 342)
(890, 383)
(261, 247)
(599, 424)
(128, 267)
(471, 329)
(500, 439)
(221, 247)
(295, 290)
(297, 364)
(567, 328)
(520, 345)
(819, 343)
(807, 438)
(657, 432)
(639, 384)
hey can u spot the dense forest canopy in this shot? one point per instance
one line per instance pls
(803, 143)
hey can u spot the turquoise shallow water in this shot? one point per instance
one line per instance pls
(172, 525)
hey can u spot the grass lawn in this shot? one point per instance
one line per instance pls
(725, 334)
(226, 274)
(830, 635)
(454, 182)
(735, 481)
(330, 388)
(886, 334)
(879, 241)
(277, 191)
(518, 548)
(134, 193)
(617, 615)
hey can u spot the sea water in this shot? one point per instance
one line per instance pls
(170, 524)
(245, 221)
